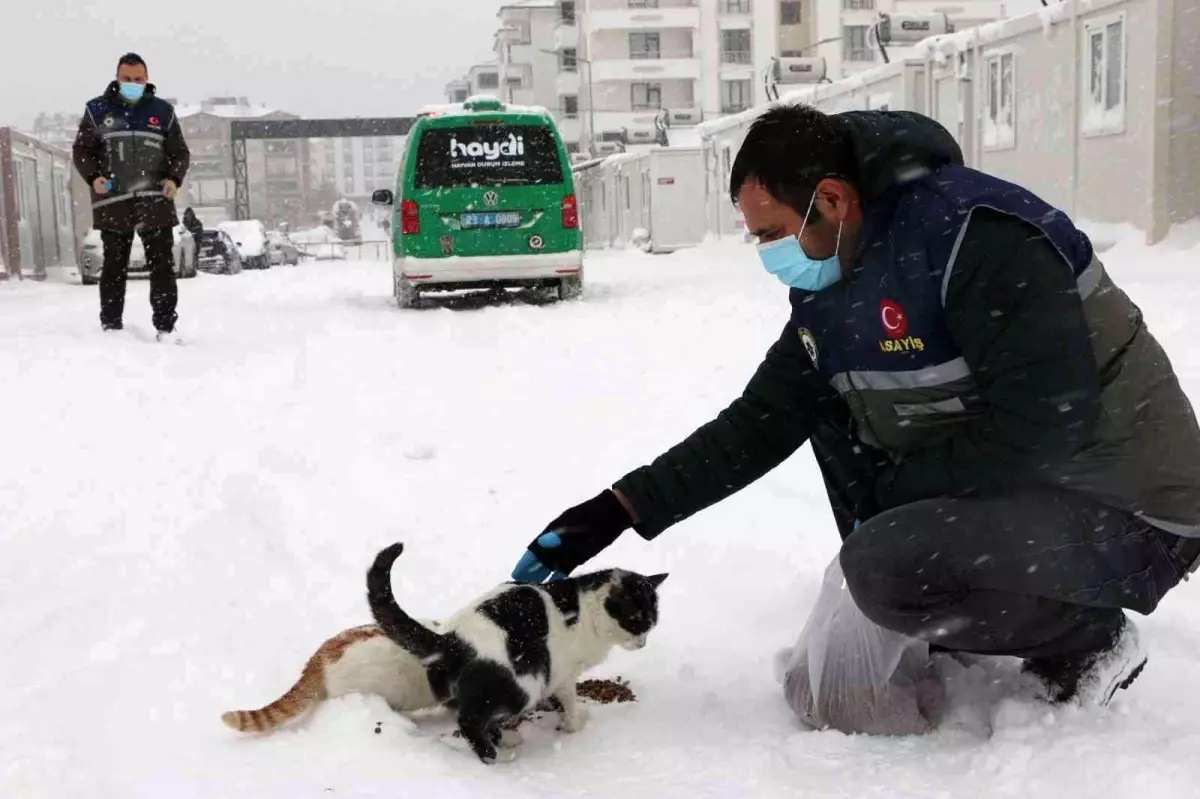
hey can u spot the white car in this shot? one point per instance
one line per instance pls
(250, 236)
(91, 256)
(319, 243)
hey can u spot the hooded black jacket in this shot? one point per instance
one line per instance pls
(1018, 362)
(138, 146)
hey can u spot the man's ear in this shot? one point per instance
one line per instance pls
(836, 199)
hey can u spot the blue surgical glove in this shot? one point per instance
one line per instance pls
(575, 537)
(531, 570)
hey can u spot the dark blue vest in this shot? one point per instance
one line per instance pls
(890, 318)
(134, 137)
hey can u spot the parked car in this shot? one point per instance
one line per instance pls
(250, 236)
(282, 249)
(91, 256)
(320, 243)
(218, 253)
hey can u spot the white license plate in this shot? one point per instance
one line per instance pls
(491, 219)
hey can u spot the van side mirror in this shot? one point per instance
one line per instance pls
(382, 197)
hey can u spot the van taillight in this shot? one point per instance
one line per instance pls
(410, 218)
(570, 212)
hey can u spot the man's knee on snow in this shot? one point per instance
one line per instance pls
(892, 574)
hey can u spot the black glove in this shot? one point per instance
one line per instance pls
(574, 538)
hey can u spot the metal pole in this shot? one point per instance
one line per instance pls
(591, 107)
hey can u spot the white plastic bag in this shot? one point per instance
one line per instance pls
(849, 674)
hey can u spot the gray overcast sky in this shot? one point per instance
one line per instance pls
(311, 57)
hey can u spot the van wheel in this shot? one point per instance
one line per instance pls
(406, 294)
(570, 288)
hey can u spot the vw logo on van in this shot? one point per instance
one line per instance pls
(491, 198)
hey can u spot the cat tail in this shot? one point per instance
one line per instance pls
(391, 618)
(308, 691)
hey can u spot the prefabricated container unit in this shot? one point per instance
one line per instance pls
(1094, 105)
(673, 179)
(41, 224)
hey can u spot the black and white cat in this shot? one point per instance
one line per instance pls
(519, 644)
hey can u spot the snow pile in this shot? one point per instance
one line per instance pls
(183, 526)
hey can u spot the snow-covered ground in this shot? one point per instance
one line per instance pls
(180, 527)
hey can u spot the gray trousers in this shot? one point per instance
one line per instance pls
(1040, 573)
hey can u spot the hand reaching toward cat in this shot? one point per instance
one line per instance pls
(575, 537)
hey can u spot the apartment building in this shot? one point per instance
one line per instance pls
(277, 169)
(354, 167)
(629, 64)
(622, 68)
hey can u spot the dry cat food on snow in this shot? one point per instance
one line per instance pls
(606, 691)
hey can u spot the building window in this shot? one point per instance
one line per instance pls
(734, 6)
(566, 12)
(855, 46)
(570, 106)
(570, 60)
(645, 45)
(489, 80)
(789, 12)
(521, 35)
(735, 47)
(999, 121)
(461, 95)
(858, 5)
(1104, 99)
(736, 95)
(645, 96)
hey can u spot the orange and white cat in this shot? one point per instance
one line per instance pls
(360, 660)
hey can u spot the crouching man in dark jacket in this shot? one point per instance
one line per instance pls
(130, 149)
(1009, 455)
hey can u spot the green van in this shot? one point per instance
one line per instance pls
(484, 198)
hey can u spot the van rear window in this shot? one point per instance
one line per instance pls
(487, 155)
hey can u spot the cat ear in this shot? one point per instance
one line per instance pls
(657, 579)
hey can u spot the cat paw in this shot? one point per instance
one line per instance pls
(503, 755)
(510, 739)
(574, 722)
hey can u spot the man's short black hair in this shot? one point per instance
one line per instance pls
(130, 60)
(789, 150)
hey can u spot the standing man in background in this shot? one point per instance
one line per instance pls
(130, 150)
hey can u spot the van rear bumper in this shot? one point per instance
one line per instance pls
(498, 268)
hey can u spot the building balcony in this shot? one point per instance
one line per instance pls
(568, 83)
(644, 18)
(566, 36)
(645, 69)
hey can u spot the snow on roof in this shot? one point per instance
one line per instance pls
(528, 4)
(223, 110)
(446, 109)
